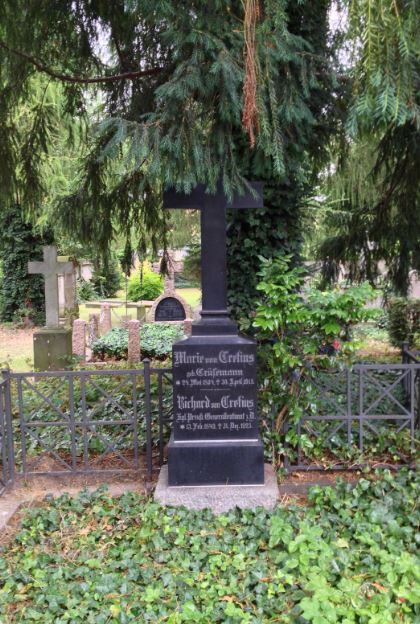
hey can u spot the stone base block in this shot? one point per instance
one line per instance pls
(52, 349)
(219, 498)
(224, 462)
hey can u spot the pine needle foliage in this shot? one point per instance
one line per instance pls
(167, 82)
(374, 187)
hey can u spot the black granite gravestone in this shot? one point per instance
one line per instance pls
(170, 309)
(215, 427)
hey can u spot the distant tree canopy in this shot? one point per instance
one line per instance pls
(374, 185)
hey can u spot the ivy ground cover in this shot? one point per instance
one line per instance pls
(350, 555)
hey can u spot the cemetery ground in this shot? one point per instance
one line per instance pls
(347, 555)
(16, 343)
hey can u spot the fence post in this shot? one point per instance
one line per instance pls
(133, 341)
(417, 416)
(9, 429)
(148, 417)
(405, 359)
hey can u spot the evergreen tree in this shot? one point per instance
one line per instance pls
(308, 123)
(18, 245)
(375, 182)
(107, 276)
(180, 103)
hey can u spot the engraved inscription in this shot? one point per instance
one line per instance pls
(170, 309)
(214, 392)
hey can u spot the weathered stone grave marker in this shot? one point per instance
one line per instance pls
(215, 437)
(169, 307)
(52, 344)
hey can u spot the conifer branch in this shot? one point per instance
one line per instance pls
(131, 75)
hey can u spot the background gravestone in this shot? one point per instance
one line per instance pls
(170, 307)
(52, 344)
(71, 307)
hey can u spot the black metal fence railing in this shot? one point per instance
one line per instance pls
(119, 421)
(368, 404)
(413, 357)
(6, 438)
(87, 421)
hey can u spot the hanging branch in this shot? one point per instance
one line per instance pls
(132, 75)
(250, 111)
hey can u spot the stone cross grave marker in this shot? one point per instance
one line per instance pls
(215, 437)
(50, 268)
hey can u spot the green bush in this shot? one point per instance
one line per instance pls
(86, 291)
(107, 277)
(147, 285)
(113, 345)
(296, 331)
(404, 321)
(156, 341)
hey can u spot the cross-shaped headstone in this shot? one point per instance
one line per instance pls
(50, 269)
(214, 314)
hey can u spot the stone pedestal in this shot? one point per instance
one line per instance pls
(188, 327)
(52, 349)
(215, 437)
(219, 498)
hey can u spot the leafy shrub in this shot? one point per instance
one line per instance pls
(404, 321)
(107, 277)
(145, 284)
(86, 291)
(113, 345)
(296, 330)
(334, 312)
(156, 341)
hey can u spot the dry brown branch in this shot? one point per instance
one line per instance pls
(131, 75)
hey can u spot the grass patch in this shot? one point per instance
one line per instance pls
(349, 556)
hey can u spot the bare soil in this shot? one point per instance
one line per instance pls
(16, 347)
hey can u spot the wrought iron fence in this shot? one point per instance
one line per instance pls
(6, 438)
(366, 404)
(88, 421)
(413, 357)
(118, 421)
